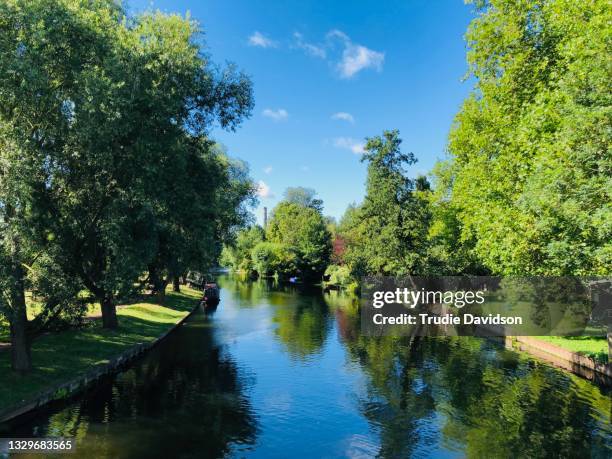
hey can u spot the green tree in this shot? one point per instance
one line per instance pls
(389, 234)
(302, 229)
(36, 112)
(237, 254)
(531, 164)
(161, 96)
(351, 232)
(273, 258)
(451, 250)
(197, 206)
(305, 197)
(85, 140)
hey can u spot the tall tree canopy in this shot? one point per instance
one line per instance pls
(103, 125)
(302, 230)
(305, 197)
(387, 234)
(530, 149)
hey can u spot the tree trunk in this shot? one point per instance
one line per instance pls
(176, 284)
(158, 284)
(109, 312)
(21, 360)
(160, 291)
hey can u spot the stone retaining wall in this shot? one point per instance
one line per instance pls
(572, 361)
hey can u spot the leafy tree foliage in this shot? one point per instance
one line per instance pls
(237, 255)
(297, 241)
(351, 233)
(304, 231)
(35, 115)
(531, 165)
(273, 258)
(105, 169)
(451, 250)
(199, 205)
(387, 234)
(305, 197)
(339, 275)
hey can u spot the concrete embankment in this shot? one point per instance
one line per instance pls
(84, 380)
(568, 360)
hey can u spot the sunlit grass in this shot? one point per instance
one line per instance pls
(591, 343)
(594, 347)
(63, 356)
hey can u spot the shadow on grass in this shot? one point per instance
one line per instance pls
(64, 356)
(182, 301)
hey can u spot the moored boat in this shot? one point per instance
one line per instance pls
(211, 294)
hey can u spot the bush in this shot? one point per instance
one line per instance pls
(339, 275)
(270, 258)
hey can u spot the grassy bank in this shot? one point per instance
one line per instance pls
(63, 356)
(593, 344)
(594, 347)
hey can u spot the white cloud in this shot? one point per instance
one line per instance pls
(348, 58)
(349, 143)
(268, 170)
(343, 116)
(277, 115)
(260, 40)
(309, 48)
(263, 190)
(355, 58)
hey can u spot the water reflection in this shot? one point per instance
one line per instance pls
(303, 327)
(473, 397)
(188, 398)
(283, 370)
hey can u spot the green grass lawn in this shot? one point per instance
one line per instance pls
(63, 356)
(594, 347)
(592, 343)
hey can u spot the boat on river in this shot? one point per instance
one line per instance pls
(211, 295)
(211, 289)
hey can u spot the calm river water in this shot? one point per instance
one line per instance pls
(284, 372)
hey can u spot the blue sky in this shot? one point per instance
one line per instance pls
(328, 74)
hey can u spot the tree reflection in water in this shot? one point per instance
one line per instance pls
(490, 401)
(283, 370)
(187, 398)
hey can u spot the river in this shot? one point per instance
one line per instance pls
(282, 371)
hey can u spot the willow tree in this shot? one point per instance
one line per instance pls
(158, 90)
(91, 106)
(200, 202)
(45, 48)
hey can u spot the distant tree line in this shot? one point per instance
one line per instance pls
(295, 243)
(108, 179)
(527, 185)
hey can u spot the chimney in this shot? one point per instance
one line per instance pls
(265, 225)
